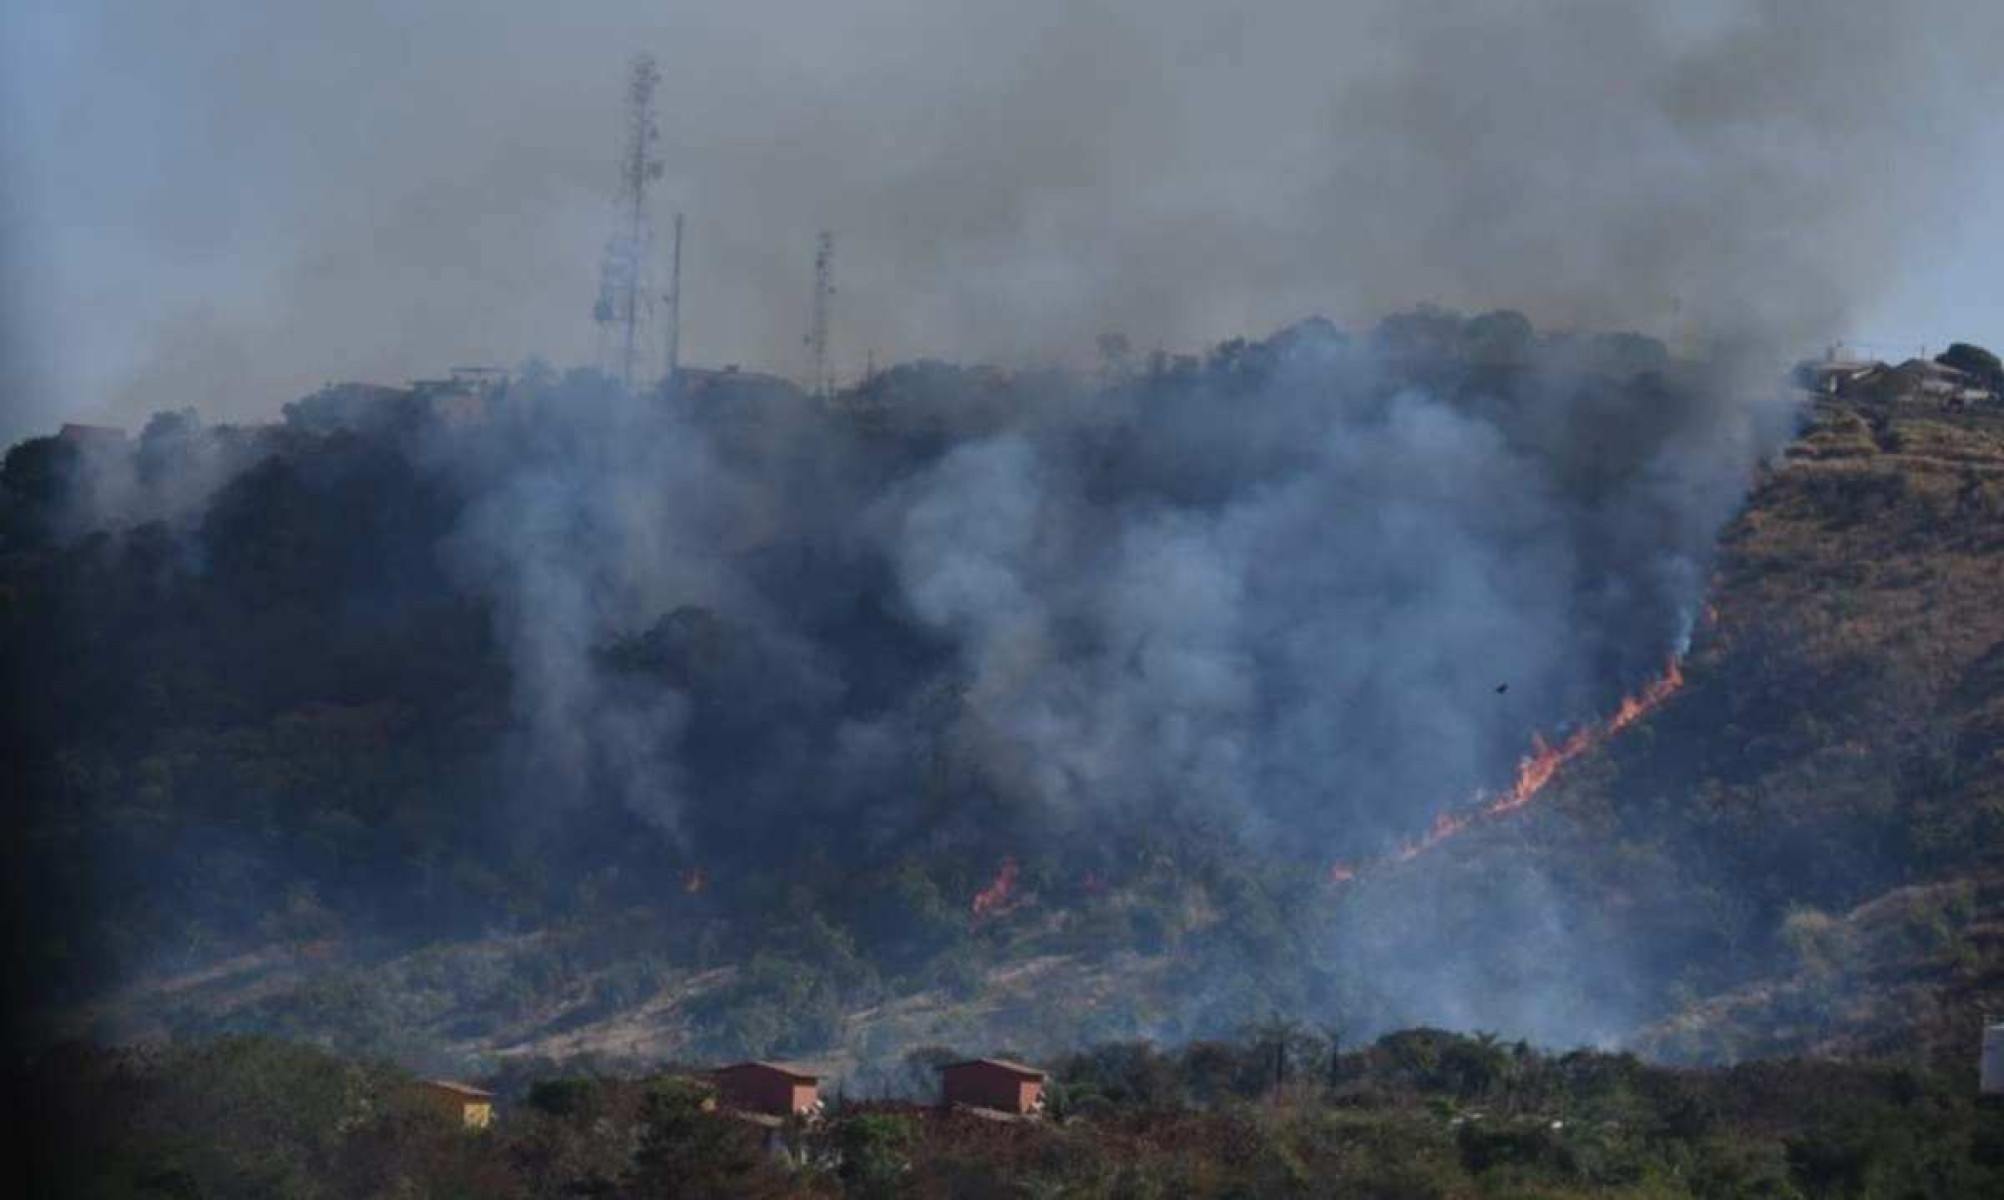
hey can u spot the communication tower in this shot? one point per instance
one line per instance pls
(824, 297)
(623, 296)
(674, 299)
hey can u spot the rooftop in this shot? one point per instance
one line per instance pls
(776, 1068)
(1014, 1068)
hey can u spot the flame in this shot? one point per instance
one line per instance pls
(1445, 825)
(995, 896)
(1538, 768)
(694, 880)
(1648, 700)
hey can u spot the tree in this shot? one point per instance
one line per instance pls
(1275, 1036)
(35, 481)
(1499, 338)
(688, 1152)
(875, 1151)
(1974, 360)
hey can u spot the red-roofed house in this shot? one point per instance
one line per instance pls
(993, 1083)
(770, 1088)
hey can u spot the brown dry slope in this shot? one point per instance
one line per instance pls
(1803, 850)
(1853, 679)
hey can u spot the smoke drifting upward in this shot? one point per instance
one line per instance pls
(376, 193)
(1261, 602)
(1271, 596)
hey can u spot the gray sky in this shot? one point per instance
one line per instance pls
(225, 203)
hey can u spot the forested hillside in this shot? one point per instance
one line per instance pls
(1012, 708)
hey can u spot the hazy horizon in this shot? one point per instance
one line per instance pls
(226, 204)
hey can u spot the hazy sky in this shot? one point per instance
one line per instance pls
(225, 203)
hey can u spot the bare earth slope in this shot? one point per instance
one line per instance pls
(1869, 566)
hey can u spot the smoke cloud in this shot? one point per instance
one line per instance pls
(1265, 603)
(220, 205)
(1273, 596)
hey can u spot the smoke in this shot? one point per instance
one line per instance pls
(378, 193)
(1263, 604)
(1273, 598)
(1275, 594)
(1285, 605)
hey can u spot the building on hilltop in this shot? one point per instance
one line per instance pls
(1834, 376)
(1915, 381)
(995, 1084)
(1926, 379)
(768, 1089)
(471, 1107)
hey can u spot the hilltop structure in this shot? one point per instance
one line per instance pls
(768, 1089)
(470, 1106)
(1952, 381)
(994, 1084)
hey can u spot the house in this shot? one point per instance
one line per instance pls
(993, 1083)
(1915, 380)
(1925, 379)
(464, 1103)
(771, 1089)
(1836, 376)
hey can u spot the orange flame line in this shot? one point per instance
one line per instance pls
(1536, 769)
(995, 895)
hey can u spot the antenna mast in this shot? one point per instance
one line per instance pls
(674, 299)
(623, 299)
(824, 297)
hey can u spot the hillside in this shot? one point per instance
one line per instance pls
(1803, 849)
(1800, 852)
(539, 725)
(1868, 570)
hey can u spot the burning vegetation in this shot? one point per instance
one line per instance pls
(1171, 632)
(1535, 771)
(1546, 759)
(998, 896)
